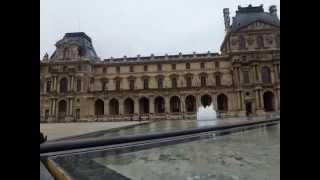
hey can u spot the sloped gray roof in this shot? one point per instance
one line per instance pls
(244, 19)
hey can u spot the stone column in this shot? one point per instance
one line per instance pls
(167, 104)
(106, 107)
(121, 108)
(54, 108)
(182, 104)
(136, 106)
(198, 101)
(261, 99)
(51, 107)
(151, 105)
(71, 106)
(258, 99)
(72, 83)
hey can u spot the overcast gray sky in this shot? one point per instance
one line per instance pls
(131, 27)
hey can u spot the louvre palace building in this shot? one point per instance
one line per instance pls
(243, 79)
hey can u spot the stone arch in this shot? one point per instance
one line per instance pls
(99, 107)
(159, 104)
(144, 105)
(62, 109)
(63, 85)
(114, 107)
(266, 74)
(175, 104)
(206, 100)
(268, 101)
(191, 103)
(128, 106)
(222, 101)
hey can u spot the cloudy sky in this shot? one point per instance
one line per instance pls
(131, 27)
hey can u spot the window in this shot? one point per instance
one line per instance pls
(203, 81)
(278, 40)
(187, 65)
(174, 82)
(146, 83)
(246, 78)
(202, 65)
(63, 85)
(159, 67)
(173, 66)
(79, 68)
(266, 74)
(46, 114)
(103, 85)
(218, 80)
(217, 65)
(260, 42)
(48, 85)
(131, 84)
(92, 81)
(78, 85)
(160, 83)
(117, 84)
(145, 67)
(189, 81)
(77, 113)
(118, 69)
(131, 68)
(104, 70)
(242, 43)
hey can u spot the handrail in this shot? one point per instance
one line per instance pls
(102, 141)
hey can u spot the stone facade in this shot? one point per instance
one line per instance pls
(242, 80)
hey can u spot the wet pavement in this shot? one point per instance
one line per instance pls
(245, 155)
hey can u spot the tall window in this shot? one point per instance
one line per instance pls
(145, 67)
(203, 81)
(63, 85)
(189, 81)
(131, 84)
(174, 82)
(159, 67)
(173, 66)
(117, 84)
(242, 42)
(218, 80)
(202, 65)
(266, 74)
(246, 78)
(103, 84)
(118, 69)
(104, 70)
(187, 65)
(131, 68)
(160, 83)
(48, 85)
(278, 40)
(217, 65)
(78, 85)
(260, 41)
(146, 83)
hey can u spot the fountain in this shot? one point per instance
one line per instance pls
(206, 113)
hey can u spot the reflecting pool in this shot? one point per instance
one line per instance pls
(245, 155)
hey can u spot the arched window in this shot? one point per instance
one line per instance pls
(242, 43)
(218, 80)
(99, 107)
(145, 83)
(128, 106)
(187, 65)
(78, 85)
(174, 104)
(268, 101)
(206, 100)
(144, 105)
(114, 107)
(266, 74)
(222, 102)
(191, 104)
(260, 41)
(62, 109)
(174, 82)
(48, 86)
(159, 105)
(203, 81)
(189, 81)
(63, 85)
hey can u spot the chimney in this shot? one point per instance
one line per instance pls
(273, 10)
(226, 16)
